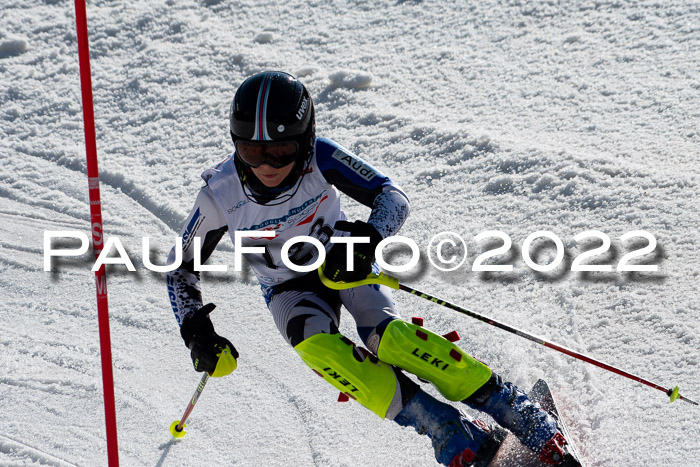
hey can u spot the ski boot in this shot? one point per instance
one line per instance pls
(458, 441)
(512, 409)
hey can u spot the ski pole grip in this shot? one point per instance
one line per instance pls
(381, 279)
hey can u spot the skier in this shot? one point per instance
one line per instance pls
(283, 179)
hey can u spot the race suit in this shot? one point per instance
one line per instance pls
(224, 205)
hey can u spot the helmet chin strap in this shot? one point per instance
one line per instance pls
(258, 193)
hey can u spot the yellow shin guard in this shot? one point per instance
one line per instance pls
(433, 358)
(371, 383)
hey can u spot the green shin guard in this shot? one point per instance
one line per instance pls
(433, 358)
(332, 356)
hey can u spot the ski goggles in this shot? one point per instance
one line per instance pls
(276, 154)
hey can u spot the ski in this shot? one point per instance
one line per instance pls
(543, 395)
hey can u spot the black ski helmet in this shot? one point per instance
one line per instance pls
(273, 106)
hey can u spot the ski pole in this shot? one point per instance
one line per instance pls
(394, 283)
(672, 393)
(177, 428)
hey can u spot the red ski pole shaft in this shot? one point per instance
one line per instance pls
(176, 429)
(193, 401)
(96, 227)
(673, 393)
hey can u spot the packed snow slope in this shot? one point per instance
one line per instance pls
(493, 115)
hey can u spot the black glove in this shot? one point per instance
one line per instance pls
(210, 352)
(336, 267)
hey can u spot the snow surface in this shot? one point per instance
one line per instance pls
(510, 115)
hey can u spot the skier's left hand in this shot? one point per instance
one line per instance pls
(336, 267)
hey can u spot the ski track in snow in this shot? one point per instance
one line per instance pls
(304, 411)
(116, 181)
(12, 450)
(517, 117)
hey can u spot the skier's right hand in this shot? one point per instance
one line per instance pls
(210, 352)
(336, 265)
